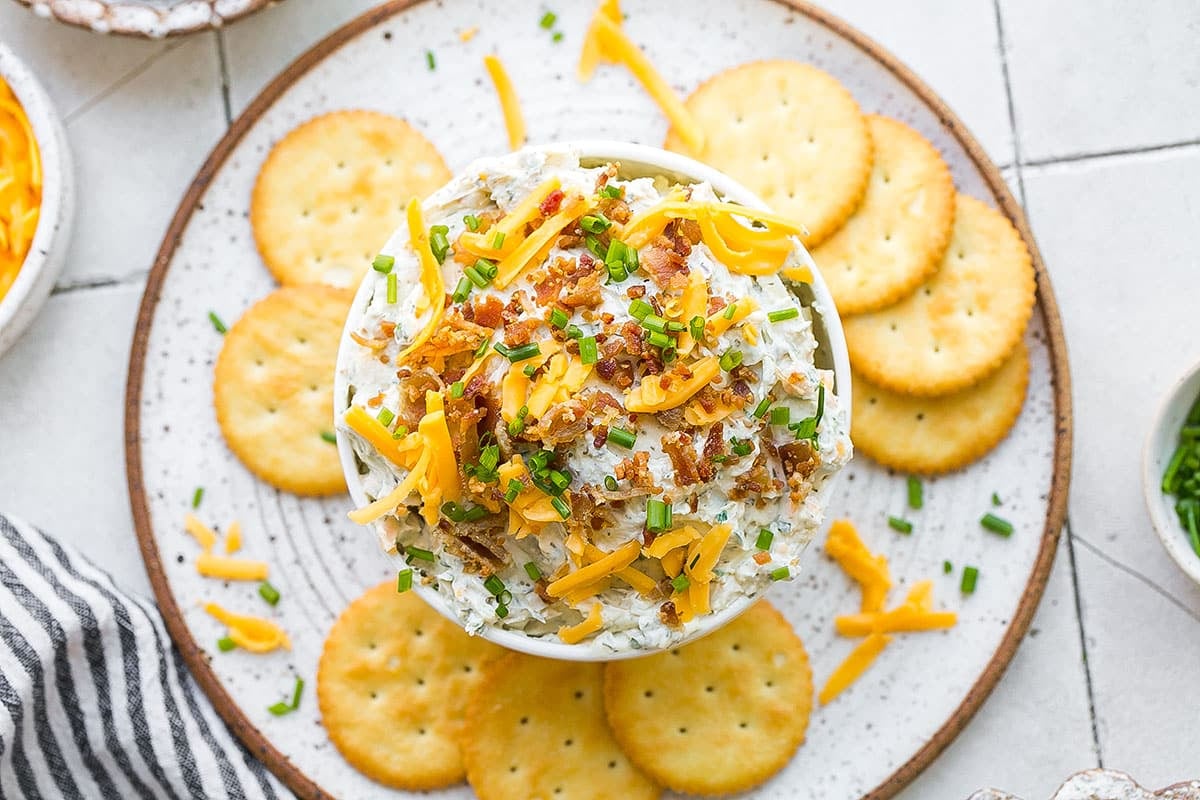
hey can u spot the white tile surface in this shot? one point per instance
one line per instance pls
(936, 38)
(62, 459)
(1099, 75)
(1045, 682)
(1143, 651)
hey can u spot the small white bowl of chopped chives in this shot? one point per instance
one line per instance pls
(1171, 473)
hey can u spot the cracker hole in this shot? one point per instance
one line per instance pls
(341, 165)
(512, 768)
(738, 119)
(420, 681)
(887, 237)
(612, 765)
(578, 694)
(683, 730)
(304, 213)
(743, 725)
(961, 255)
(372, 645)
(466, 667)
(558, 790)
(421, 731)
(353, 209)
(812, 140)
(675, 652)
(387, 162)
(873, 400)
(524, 720)
(928, 292)
(648, 693)
(920, 416)
(766, 157)
(893, 326)
(568, 742)
(771, 684)
(258, 362)
(419, 632)
(709, 689)
(736, 646)
(374, 696)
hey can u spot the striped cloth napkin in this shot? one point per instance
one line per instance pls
(97, 702)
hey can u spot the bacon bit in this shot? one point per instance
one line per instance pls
(515, 308)
(714, 445)
(615, 209)
(488, 311)
(519, 333)
(599, 435)
(761, 558)
(687, 229)
(480, 545)
(388, 329)
(551, 204)
(798, 459)
(636, 291)
(563, 422)
(376, 401)
(614, 372)
(607, 174)
(636, 470)
(540, 588)
(569, 241)
(715, 304)
(666, 266)
(454, 335)
(668, 615)
(370, 344)
(673, 419)
(756, 481)
(585, 293)
(678, 447)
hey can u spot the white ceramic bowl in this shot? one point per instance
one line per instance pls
(1160, 446)
(635, 161)
(48, 251)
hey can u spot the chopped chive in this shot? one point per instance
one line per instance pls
(676, 327)
(392, 287)
(658, 515)
(498, 240)
(622, 437)
(531, 569)
(761, 409)
(225, 644)
(268, 592)
(780, 573)
(594, 245)
(475, 277)
(655, 323)
(456, 389)
(995, 499)
(557, 37)
(656, 339)
(616, 271)
(901, 525)
(404, 580)
(610, 191)
(483, 348)
(610, 483)
(438, 242)
(548, 20)
(730, 360)
(561, 507)
(783, 314)
(504, 598)
(430, 61)
(472, 222)
(522, 353)
(765, 537)
(780, 415)
(415, 553)
(529, 370)
(474, 514)
(462, 291)
(947, 567)
(385, 417)
(916, 492)
(514, 489)
(696, 327)
(595, 223)
(284, 707)
(400, 432)
(296, 692)
(329, 436)
(730, 310)
(680, 583)
(740, 447)
(217, 324)
(970, 577)
(996, 524)
(453, 511)
(383, 263)
(588, 351)
(197, 496)
(639, 309)
(501, 611)
(493, 584)
(559, 318)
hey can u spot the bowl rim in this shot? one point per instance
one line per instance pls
(677, 166)
(56, 173)
(1156, 450)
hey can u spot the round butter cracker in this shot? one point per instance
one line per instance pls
(790, 133)
(962, 324)
(334, 189)
(392, 685)
(717, 716)
(895, 240)
(273, 388)
(931, 435)
(537, 731)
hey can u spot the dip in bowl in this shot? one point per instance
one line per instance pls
(593, 400)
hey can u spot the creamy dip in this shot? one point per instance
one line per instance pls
(591, 395)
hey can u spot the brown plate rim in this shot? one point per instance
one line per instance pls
(197, 660)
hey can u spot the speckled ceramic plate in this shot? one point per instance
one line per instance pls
(151, 19)
(869, 742)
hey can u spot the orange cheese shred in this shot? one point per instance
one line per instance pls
(649, 396)
(203, 534)
(870, 571)
(401, 452)
(590, 55)
(914, 614)
(233, 538)
(20, 187)
(618, 559)
(514, 122)
(709, 551)
(525, 253)
(390, 501)
(254, 634)
(231, 569)
(434, 299)
(573, 634)
(640, 581)
(850, 670)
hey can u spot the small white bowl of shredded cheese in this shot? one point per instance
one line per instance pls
(595, 405)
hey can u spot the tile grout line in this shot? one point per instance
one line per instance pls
(87, 284)
(112, 88)
(1008, 96)
(1133, 573)
(1087, 667)
(223, 63)
(1102, 155)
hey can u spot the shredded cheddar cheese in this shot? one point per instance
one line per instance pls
(640, 581)
(590, 55)
(434, 299)
(666, 542)
(574, 634)
(512, 226)
(672, 562)
(525, 254)
(868, 570)
(850, 670)
(618, 559)
(709, 550)
(233, 538)
(467, 34)
(203, 534)
(401, 452)
(718, 323)
(231, 569)
(254, 634)
(390, 501)
(20, 187)
(615, 45)
(649, 395)
(514, 122)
